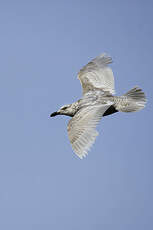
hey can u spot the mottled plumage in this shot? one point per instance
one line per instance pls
(97, 82)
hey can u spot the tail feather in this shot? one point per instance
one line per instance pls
(134, 100)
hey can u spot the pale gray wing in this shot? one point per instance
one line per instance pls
(82, 128)
(97, 75)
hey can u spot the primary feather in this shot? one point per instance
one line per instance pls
(97, 75)
(82, 128)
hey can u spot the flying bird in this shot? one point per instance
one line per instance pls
(97, 82)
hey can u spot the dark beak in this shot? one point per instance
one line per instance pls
(54, 114)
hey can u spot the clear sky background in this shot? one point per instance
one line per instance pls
(43, 185)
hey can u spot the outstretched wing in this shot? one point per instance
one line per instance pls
(97, 75)
(82, 128)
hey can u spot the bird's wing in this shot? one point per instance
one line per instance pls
(97, 75)
(82, 128)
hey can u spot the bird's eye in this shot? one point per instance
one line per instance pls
(64, 108)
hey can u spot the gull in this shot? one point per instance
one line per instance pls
(97, 82)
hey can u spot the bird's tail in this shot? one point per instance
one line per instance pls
(134, 100)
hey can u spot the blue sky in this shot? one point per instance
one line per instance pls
(43, 185)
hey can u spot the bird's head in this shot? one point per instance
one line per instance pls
(64, 110)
